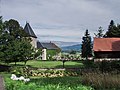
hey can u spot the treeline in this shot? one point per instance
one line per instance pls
(113, 31)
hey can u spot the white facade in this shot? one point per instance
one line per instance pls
(34, 42)
(44, 54)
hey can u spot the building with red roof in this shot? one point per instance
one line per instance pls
(106, 47)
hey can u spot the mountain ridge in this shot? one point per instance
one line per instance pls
(64, 44)
(76, 47)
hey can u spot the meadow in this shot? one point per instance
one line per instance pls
(65, 82)
(50, 75)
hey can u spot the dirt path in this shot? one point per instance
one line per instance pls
(1, 83)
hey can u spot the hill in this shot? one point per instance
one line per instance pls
(65, 44)
(76, 47)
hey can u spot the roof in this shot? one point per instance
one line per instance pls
(39, 45)
(50, 46)
(106, 44)
(29, 30)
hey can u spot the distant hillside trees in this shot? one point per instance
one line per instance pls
(14, 47)
(86, 45)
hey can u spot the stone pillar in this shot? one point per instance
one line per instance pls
(44, 54)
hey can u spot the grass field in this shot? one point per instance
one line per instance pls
(51, 64)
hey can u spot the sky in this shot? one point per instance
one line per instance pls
(62, 20)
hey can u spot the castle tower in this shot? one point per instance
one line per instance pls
(31, 34)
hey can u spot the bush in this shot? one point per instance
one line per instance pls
(4, 68)
(89, 64)
(20, 71)
(108, 66)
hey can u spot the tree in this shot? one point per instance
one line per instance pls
(3, 40)
(14, 46)
(86, 46)
(99, 32)
(14, 29)
(113, 30)
(23, 50)
(118, 26)
(1, 24)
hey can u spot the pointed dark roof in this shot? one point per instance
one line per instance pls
(50, 46)
(29, 30)
(39, 45)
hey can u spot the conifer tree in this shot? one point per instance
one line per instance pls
(99, 33)
(113, 30)
(86, 45)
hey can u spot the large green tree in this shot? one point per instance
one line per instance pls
(86, 45)
(14, 46)
(14, 29)
(3, 41)
(23, 50)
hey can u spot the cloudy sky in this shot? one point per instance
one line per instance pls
(62, 20)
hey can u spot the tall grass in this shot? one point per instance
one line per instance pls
(102, 81)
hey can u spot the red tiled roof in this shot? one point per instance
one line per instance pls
(106, 44)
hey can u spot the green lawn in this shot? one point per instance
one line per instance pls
(51, 64)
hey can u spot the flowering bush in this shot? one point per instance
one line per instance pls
(14, 77)
(53, 73)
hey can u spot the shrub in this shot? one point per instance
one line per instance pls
(89, 64)
(20, 71)
(108, 66)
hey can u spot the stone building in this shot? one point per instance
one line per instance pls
(38, 45)
(31, 34)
